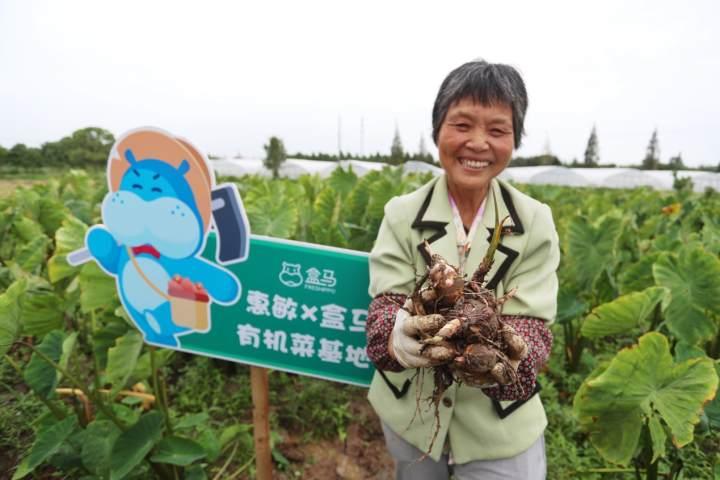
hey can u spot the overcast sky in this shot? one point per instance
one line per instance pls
(227, 75)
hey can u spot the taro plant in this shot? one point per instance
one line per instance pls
(590, 260)
(644, 395)
(107, 415)
(96, 424)
(641, 399)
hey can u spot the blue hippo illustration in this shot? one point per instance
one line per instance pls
(154, 215)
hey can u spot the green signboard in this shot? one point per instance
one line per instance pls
(302, 309)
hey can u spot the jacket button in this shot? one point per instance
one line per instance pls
(447, 402)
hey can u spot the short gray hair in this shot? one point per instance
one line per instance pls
(487, 84)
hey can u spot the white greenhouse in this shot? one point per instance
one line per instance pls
(238, 167)
(360, 167)
(545, 175)
(705, 181)
(700, 180)
(619, 178)
(296, 167)
(420, 167)
(537, 175)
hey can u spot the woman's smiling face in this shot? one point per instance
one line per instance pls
(475, 143)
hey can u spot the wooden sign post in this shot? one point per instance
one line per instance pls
(261, 422)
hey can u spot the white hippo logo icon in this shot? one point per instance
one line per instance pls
(290, 275)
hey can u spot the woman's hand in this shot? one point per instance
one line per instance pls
(405, 347)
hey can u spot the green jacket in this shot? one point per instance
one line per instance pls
(478, 428)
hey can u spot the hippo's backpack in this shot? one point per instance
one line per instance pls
(189, 303)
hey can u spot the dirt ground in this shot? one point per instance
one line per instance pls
(8, 186)
(362, 456)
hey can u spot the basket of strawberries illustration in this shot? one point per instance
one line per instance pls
(189, 303)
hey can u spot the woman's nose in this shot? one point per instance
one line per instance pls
(477, 142)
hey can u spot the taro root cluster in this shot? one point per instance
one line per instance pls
(465, 317)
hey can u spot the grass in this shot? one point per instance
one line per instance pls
(19, 407)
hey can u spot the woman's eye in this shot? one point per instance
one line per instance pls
(462, 126)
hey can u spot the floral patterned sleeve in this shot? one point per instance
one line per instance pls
(380, 321)
(539, 339)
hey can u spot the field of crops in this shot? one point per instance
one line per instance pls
(82, 396)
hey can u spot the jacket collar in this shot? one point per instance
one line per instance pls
(435, 214)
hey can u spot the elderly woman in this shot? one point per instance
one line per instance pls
(491, 431)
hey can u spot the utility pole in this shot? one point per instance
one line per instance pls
(339, 135)
(362, 136)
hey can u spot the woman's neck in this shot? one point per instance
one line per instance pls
(468, 202)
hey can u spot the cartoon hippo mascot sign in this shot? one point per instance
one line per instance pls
(161, 205)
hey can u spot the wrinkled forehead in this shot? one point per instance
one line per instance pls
(496, 112)
(486, 102)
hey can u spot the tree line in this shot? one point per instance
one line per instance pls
(89, 147)
(86, 147)
(651, 160)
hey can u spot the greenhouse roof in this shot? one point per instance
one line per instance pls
(361, 167)
(542, 175)
(619, 177)
(239, 166)
(545, 175)
(421, 167)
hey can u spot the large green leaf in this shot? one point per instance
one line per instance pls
(356, 204)
(693, 278)
(195, 472)
(191, 420)
(390, 184)
(122, 359)
(27, 201)
(210, 443)
(272, 213)
(643, 382)
(569, 306)
(99, 440)
(69, 237)
(325, 225)
(132, 445)
(48, 441)
(51, 214)
(712, 409)
(97, 288)
(622, 314)
(10, 311)
(31, 255)
(81, 209)
(39, 374)
(685, 351)
(142, 369)
(177, 451)
(68, 347)
(591, 247)
(342, 181)
(27, 229)
(105, 337)
(657, 437)
(42, 312)
(638, 276)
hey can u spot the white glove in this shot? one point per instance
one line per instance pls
(406, 347)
